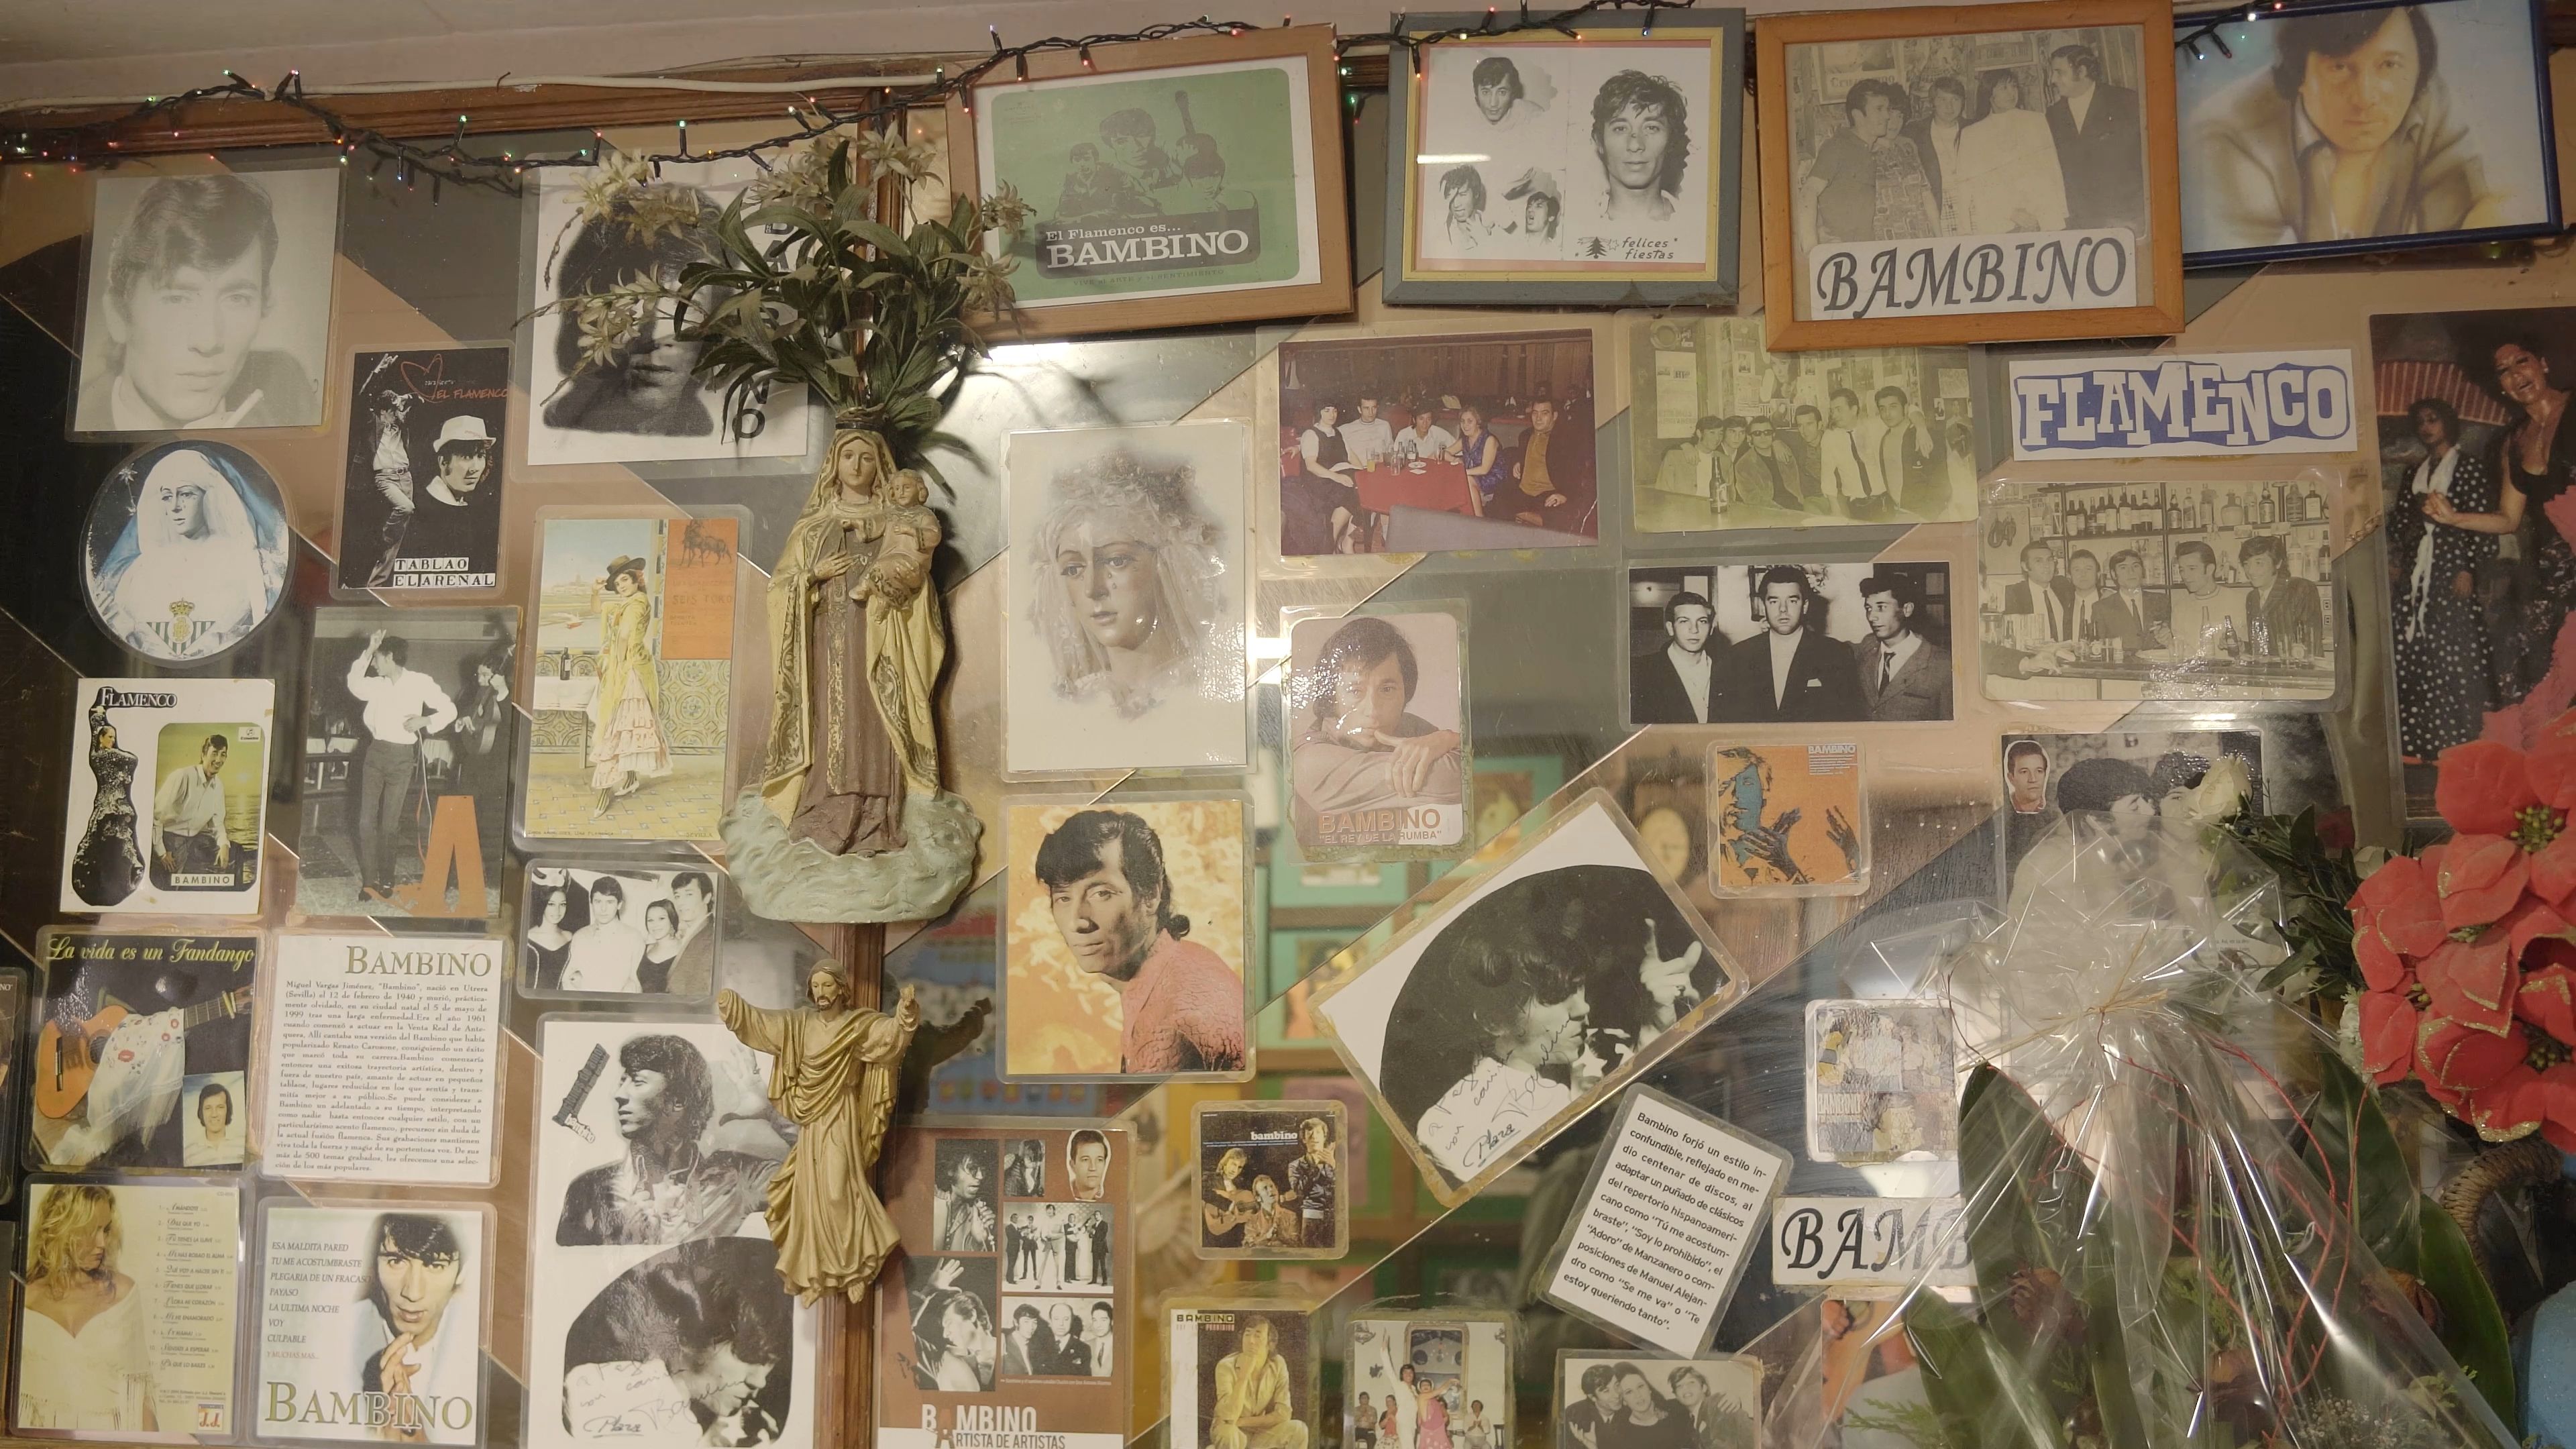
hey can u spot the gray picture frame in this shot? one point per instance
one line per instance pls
(1726, 31)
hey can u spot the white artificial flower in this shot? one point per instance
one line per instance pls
(2220, 794)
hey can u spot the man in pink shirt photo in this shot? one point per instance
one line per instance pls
(1181, 1005)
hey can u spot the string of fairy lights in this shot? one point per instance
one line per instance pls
(452, 163)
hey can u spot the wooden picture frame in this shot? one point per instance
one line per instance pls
(2155, 277)
(1307, 115)
(1712, 41)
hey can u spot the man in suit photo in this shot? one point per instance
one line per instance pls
(2043, 591)
(2138, 616)
(1903, 674)
(1789, 671)
(2099, 130)
(1674, 684)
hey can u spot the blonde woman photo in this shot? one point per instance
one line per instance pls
(81, 1340)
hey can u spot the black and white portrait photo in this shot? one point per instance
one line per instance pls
(1024, 1167)
(2357, 129)
(965, 1193)
(421, 505)
(185, 551)
(644, 403)
(209, 301)
(954, 1308)
(617, 929)
(655, 1133)
(1609, 1401)
(694, 1345)
(1058, 1247)
(1789, 642)
(2037, 767)
(410, 736)
(1526, 999)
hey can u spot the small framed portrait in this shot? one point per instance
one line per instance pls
(1789, 642)
(189, 841)
(185, 551)
(173, 1009)
(155, 1350)
(329, 1356)
(1726, 434)
(633, 929)
(420, 500)
(1125, 643)
(1270, 1178)
(1438, 439)
(1981, 173)
(1787, 819)
(1882, 1082)
(2443, 107)
(1427, 1378)
(2037, 770)
(1173, 183)
(1124, 923)
(1592, 165)
(1614, 1401)
(1556, 967)
(1229, 1362)
(209, 301)
(1378, 756)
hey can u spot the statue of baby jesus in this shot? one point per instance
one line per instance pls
(911, 534)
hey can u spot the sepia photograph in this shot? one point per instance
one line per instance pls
(410, 736)
(1269, 1180)
(635, 645)
(209, 301)
(1638, 1401)
(1528, 996)
(1882, 1082)
(185, 551)
(420, 503)
(1377, 753)
(640, 930)
(1123, 927)
(1727, 434)
(357, 1302)
(1759, 643)
(193, 755)
(1787, 819)
(1126, 638)
(1442, 440)
(1053, 1338)
(645, 403)
(696, 1344)
(125, 1326)
(138, 1040)
(2333, 130)
(1241, 1378)
(655, 1132)
(1428, 1381)
(2047, 777)
(2159, 591)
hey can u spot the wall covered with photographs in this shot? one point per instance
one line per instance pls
(1521, 635)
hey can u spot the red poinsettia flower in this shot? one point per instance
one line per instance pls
(2483, 788)
(2524, 1100)
(2388, 1022)
(2481, 877)
(2472, 983)
(2457, 1062)
(2396, 914)
(2547, 1000)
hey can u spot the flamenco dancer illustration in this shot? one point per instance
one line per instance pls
(107, 863)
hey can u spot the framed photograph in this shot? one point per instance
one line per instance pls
(357, 1301)
(2445, 107)
(126, 1023)
(2048, 776)
(420, 501)
(1126, 642)
(2156, 591)
(1597, 165)
(209, 301)
(156, 1362)
(1542, 983)
(1761, 643)
(1882, 1082)
(1981, 173)
(1176, 183)
(1726, 434)
(2460, 457)
(1269, 1177)
(640, 931)
(1378, 756)
(1227, 1362)
(185, 551)
(1123, 937)
(634, 680)
(411, 732)
(1421, 442)
(1427, 1378)
(1608, 1400)
(1788, 819)
(199, 747)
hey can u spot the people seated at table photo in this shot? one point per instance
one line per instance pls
(1482, 451)
(1319, 506)
(1551, 484)
(1366, 438)
(1424, 438)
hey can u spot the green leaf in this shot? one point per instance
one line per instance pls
(882, 237)
(1974, 1383)
(2473, 1327)
(2363, 1166)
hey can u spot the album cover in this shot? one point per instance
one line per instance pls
(646, 930)
(197, 750)
(420, 504)
(142, 1050)
(1882, 1082)
(1422, 1380)
(371, 1324)
(410, 734)
(125, 1329)
(1788, 819)
(1377, 729)
(1241, 1376)
(185, 551)
(361, 1029)
(1270, 1180)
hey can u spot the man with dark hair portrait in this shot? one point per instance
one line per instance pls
(2350, 133)
(2282, 616)
(1789, 671)
(1641, 136)
(693, 971)
(1181, 1008)
(2137, 616)
(407, 1350)
(701, 1328)
(1551, 476)
(1838, 197)
(1086, 1155)
(187, 287)
(402, 707)
(1936, 146)
(2043, 592)
(1904, 673)
(455, 524)
(2101, 148)
(1585, 1422)
(1502, 100)
(1128, 138)
(667, 1188)
(188, 816)
(2208, 621)
(1676, 684)
(1357, 744)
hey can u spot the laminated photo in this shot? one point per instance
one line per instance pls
(358, 1027)
(2169, 405)
(193, 755)
(1874, 1387)
(371, 1324)
(2047, 777)
(209, 301)
(1270, 1180)
(1789, 642)
(1613, 1401)
(142, 1047)
(185, 551)
(642, 930)
(1123, 948)
(655, 1132)
(1420, 1381)
(125, 1329)
(1241, 1377)
(420, 505)
(1788, 817)
(1377, 753)
(1882, 1082)
(1125, 604)
(411, 731)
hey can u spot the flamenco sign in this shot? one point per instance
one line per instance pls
(2170, 406)
(1964, 275)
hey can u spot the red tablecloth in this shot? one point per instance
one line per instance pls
(1440, 485)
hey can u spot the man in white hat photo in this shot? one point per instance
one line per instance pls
(455, 526)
